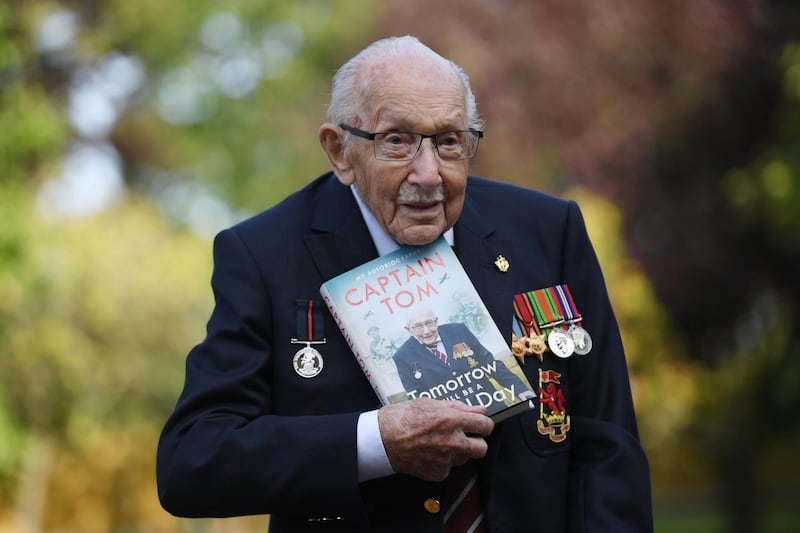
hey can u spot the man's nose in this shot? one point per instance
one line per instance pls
(425, 167)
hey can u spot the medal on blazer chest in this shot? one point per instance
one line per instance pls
(581, 339)
(554, 311)
(526, 338)
(560, 343)
(308, 361)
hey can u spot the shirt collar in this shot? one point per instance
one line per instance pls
(383, 241)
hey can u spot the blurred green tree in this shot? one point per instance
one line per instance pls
(129, 131)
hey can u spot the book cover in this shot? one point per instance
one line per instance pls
(419, 329)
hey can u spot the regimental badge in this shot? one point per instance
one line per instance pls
(461, 350)
(502, 263)
(553, 418)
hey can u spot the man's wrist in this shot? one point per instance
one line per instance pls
(372, 459)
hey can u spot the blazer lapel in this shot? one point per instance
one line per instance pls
(478, 245)
(339, 238)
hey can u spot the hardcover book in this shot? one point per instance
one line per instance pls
(419, 329)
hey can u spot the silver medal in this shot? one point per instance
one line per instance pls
(307, 362)
(581, 338)
(560, 343)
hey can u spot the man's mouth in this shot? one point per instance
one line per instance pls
(422, 206)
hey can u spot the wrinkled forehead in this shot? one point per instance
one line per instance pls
(421, 315)
(411, 91)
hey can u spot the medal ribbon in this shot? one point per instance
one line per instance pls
(525, 315)
(567, 304)
(547, 312)
(310, 324)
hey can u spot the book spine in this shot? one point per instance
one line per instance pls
(367, 366)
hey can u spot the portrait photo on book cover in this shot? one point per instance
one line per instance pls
(447, 362)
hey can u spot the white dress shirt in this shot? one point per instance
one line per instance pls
(372, 459)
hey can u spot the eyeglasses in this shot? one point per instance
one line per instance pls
(417, 328)
(404, 145)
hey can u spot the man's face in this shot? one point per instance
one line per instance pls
(424, 327)
(415, 201)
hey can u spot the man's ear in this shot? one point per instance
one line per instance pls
(331, 137)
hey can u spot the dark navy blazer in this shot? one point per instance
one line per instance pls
(251, 436)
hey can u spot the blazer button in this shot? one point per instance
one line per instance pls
(432, 506)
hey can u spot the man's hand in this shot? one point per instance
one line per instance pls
(426, 438)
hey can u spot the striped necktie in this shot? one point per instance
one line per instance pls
(463, 502)
(438, 353)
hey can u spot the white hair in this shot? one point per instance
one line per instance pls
(348, 90)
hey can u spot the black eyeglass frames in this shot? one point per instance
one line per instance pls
(404, 145)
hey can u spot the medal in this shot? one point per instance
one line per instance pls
(560, 343)
(548, 313)
(308, 362)
(518, 348)
(580, 337)
(462, 349)
(535, 343)
(550, 319)
(417, 372)
(526, 339)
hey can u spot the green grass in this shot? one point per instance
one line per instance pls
(702, 517)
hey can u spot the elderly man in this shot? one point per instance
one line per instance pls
(251, 434)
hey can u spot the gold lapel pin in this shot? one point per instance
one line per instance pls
(501, 263)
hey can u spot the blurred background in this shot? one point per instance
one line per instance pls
(131, 131)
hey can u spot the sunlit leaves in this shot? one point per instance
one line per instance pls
(100, 293)
(33, 128)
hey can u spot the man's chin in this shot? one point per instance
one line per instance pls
(419, 235)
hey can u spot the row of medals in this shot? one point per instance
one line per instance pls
(562, 343)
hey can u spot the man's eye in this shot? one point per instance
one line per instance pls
(398, 138)
(449, 139)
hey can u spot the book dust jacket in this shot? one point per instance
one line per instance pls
(419, 329)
